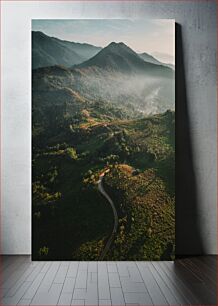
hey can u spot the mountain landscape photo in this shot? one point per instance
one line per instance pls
(103, 140)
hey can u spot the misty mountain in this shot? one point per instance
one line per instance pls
(118, 57)
(170, 66)
(114, 75)
(149, 58)
(50, 51)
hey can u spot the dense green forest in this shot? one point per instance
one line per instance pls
(72, 218)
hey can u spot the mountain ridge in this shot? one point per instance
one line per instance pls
(149, 58)
(49, 51)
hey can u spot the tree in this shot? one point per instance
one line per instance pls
(71, 152)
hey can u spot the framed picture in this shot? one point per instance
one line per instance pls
(103, 139)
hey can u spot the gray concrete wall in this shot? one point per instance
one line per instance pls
(197, 95)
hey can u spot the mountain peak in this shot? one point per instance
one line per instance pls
(115, 57)
(118, 57)
(117, 46)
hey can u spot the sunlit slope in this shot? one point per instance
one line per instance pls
(67, 161)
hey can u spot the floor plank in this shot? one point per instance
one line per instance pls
(14, 300)
(187, 281)
(168, 267)
(65, 299)
(167, 291)
(48, 298)
(155, 292)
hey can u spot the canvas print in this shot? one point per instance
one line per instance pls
(103, 139)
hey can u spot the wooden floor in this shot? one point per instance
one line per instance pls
(188, 281)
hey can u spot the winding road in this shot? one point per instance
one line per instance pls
(114, 231)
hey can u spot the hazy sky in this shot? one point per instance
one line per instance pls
(154, 36)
